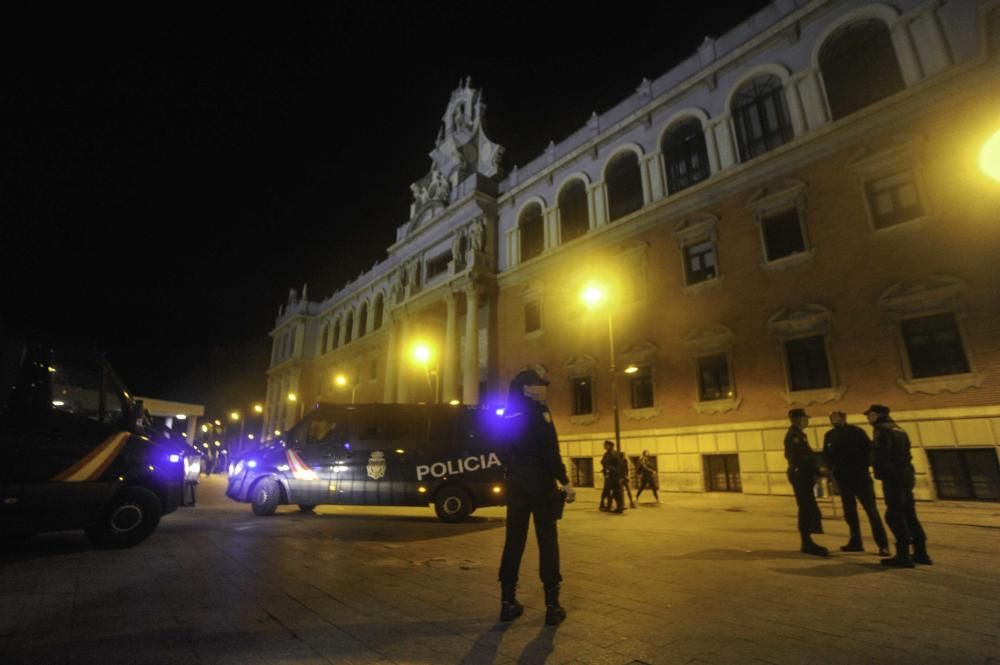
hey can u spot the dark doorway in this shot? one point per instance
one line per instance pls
(722, 473)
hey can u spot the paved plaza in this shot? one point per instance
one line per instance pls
(700, 579)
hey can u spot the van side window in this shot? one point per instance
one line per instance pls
(324, 431)
(114, 399)
(76, 388)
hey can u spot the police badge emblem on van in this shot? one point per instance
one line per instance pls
(376, 465)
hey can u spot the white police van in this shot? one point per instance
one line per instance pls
(378, 454)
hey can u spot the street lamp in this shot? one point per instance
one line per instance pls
(594, 296)
(421, 353)
(234, 416)
(989, 156)
(341, 381)
(292, 397)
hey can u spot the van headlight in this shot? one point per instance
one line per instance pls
(236, 469)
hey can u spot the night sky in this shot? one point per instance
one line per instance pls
(168, 175)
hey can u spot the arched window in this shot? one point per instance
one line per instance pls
(532, 232)
(624, 185)
(859, 67)
(574, 216)
(685, 155)
(379, 306)
(335, 342)
(325, 338)
(363, 320)
(348, 327)
(760, 115)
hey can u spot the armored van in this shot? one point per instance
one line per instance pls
(378, 454)
(73, 453)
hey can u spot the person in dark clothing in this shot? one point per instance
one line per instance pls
(626, 481)
(848, 452)
(611, 467)
(894, 467)
(803, 470)
(647, 476)
(533, 467)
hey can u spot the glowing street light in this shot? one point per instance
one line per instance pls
(421, 353)
(234, 416)
(258, 408)
(989, 156)
(593, 296)
(341, 381)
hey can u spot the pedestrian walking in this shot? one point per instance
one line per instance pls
(647, 476)
(894, 467)
(533, 467)
(848, 453)
(626, 479)
(611, 465)
(803, 469)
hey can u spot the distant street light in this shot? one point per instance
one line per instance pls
(342, 382)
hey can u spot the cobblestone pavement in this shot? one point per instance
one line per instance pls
(700, 579)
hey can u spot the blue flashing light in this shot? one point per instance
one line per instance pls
(252, 464)
(500, 411)
(347, 446)
(175, 458)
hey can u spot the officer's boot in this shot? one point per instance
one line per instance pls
(510, 609)
(810, 547)
(554, 613)
(920, 554)
(902, 558)
(853, 544)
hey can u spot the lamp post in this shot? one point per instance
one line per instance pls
(421, 353)
(341, 381)
(234, 416)
(593, 295)
(259, 410)
(293, 398)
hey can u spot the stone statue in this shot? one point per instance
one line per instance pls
(396, 284)
(456, 248)
(438, 188)
(476, 232)
(411, 274)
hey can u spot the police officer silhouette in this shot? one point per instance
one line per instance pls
(803, 469)
(533, 467)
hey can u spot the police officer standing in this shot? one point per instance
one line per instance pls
(803, 470)
(894, 467)
(848, 452)
(533, 467)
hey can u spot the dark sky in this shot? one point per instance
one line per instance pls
(169, 173)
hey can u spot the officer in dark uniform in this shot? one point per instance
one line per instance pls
(848, 453)
(803, 470)
(894, 467)
(611, 464)
(533, 467)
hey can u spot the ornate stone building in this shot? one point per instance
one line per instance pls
(792, 216)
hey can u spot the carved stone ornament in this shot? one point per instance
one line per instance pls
(776, 195)
(709, 339)
(929, 293)
(477, 234)
(716, 406)
(695, 228)
(643, 353)
(810, 318)
(581, 365)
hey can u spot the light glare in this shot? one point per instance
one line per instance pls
(989, 156)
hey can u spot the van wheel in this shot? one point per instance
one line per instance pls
(266, 497)
(306, 508)
(452, 504)
(128, 519)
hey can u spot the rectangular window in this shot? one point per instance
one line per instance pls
(532, 316)
(699, 262)
(641, 388)
(582, 394)
(783, 234)
(438, 265)
(582, 471)
(934, 346)
(722, 473)
(893, 199)
(713, 378)
(970, 473)
(808, 367)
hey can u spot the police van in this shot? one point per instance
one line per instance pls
(378, 455)
(73, 454)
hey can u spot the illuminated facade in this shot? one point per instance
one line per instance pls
(793, 216)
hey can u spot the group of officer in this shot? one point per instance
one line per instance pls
(848, 453)
(538, 488)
